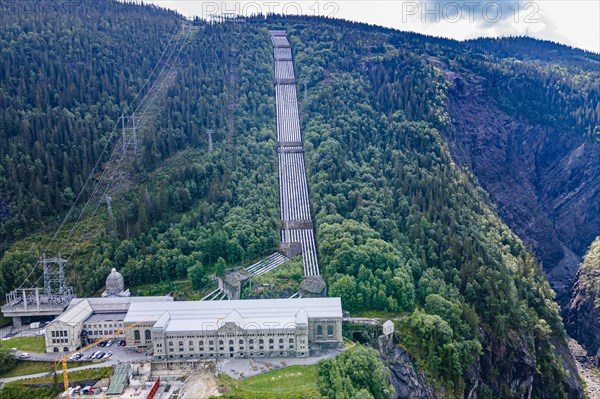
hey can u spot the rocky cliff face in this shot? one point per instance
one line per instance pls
(539, 178)
(583, 313)
(520, 381)
(408, 382)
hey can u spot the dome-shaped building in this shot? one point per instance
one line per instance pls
(115, 285)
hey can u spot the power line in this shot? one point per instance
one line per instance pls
(96, 165)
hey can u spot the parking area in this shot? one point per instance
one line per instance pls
(118, 354)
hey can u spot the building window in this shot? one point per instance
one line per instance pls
(319, 331)
(191, 343)
(251, 342)
(291, 340)
(330, 330)
(241, 342)
(221, 342)
(281, 341)
(180, 343)
(55, 349)
(136, 335)
(270, 340)
(211, 342)
(147, 335)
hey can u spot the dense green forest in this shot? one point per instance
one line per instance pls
(67, 71)
(401, 229)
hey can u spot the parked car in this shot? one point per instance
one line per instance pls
(102, 344)
(107, 355)
(40, 333)
(91, 355)
(99, 355)
(109, 342)
(24, 355)
(122, 343)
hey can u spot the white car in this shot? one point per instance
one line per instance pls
(107, 355)
(40, 333)
(24, 355)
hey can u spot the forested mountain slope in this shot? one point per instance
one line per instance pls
(67, 71)
(401, 227)
(525, 120)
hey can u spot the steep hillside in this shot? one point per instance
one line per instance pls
(402, 229)
(583, 313)
(525, 120)
(67, 71)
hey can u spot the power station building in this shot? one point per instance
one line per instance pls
(180, 334)
(185, 332)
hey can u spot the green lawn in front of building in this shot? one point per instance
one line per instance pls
(289, 382)
(27, 344)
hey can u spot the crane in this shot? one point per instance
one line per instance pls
(64, 359)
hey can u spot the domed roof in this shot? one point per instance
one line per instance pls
(114, 283)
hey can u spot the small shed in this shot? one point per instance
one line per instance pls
(388, 328)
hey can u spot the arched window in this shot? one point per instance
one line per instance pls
(281, 340)
(241, 342)
(330, 330)
(251, 342)
(180, 343)
(291, 340)
(191, 343)
(211, 342)
(170, 343)
(230, 342)
(55, 348)
(270, 340)
(136, 335)
(261, 341)
(147, 335)
(319, 330)
(201, 343)
(66, 349)
(220, 342)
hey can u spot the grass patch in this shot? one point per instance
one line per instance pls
(283, 281)
(25, 368)
(74, 376)
(289, 382)
(27, 344)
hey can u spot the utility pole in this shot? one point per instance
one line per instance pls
(210, 141)
(305, 91)
(111, 220)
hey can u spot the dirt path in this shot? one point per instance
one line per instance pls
(199, 385)
(590, 374)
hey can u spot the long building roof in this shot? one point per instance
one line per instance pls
(247, 314)
(81, 309)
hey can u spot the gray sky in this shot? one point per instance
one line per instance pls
(572, 22)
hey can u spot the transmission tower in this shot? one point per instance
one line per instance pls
(54, 275)
(129, 132)
(210, 141)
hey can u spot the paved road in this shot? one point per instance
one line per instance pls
(90, 366)
(120, 354)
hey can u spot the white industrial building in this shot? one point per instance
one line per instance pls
(190, 331)
(179, 333)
